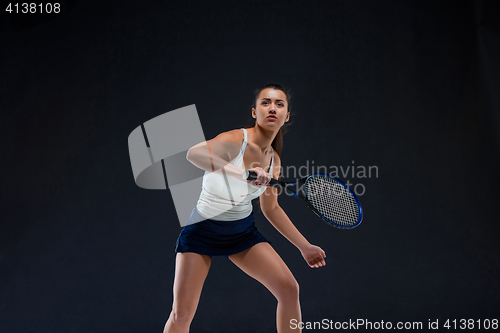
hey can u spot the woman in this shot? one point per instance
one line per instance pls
(222, 223)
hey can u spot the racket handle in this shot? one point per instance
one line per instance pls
(250, 175)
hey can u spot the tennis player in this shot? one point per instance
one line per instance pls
(222, 224)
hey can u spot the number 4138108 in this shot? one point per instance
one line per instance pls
(33, 8)
(471, 324)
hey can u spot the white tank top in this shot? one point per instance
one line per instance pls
(225, 198)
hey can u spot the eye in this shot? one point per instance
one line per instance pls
(264, 102)
(281, 104)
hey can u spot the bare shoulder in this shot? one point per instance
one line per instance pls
(227, 144)
(234, 136)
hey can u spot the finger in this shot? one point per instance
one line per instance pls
(320, 261)
(323, 262)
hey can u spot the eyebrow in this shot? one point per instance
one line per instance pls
(268, 99)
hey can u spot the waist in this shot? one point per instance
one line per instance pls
(221, 209)
(220, 227)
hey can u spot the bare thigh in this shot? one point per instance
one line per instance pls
(191, 269)
(266, 266)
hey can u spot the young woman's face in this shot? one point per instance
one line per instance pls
(271, 108)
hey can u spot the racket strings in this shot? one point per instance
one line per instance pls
(332, 200)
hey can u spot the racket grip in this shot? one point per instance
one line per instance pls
(250, 175)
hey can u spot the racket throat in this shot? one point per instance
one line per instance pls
(295, 189)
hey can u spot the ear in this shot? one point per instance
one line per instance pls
(254, 115)
(287, 117)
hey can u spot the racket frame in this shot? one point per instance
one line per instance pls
(324, 218)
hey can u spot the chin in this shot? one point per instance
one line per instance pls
(270, 126)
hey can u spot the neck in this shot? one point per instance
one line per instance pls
(262, 138)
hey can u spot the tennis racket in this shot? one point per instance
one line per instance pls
(328, 197)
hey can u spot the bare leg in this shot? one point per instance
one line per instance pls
(263, 264)
(191, 269)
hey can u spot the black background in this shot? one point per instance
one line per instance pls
(411, 87)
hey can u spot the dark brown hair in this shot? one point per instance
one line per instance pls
(277, 143)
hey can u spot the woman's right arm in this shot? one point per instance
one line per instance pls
(214, 155)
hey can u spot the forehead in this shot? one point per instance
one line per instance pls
(272, 94)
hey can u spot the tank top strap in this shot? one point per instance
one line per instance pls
(245, 140)
(272, 163)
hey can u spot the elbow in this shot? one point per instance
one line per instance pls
(189, 155)
(268, 210)
(196, 153)
(193, 154)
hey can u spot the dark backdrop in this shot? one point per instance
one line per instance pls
(409, 87)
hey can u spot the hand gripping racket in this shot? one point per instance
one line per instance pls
(327, 196)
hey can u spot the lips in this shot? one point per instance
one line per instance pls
(272, 117)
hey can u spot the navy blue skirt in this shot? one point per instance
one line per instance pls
(218, 238)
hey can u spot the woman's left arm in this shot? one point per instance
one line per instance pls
(314, 255)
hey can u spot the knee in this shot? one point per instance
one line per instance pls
(181, 318)
(288, 291)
